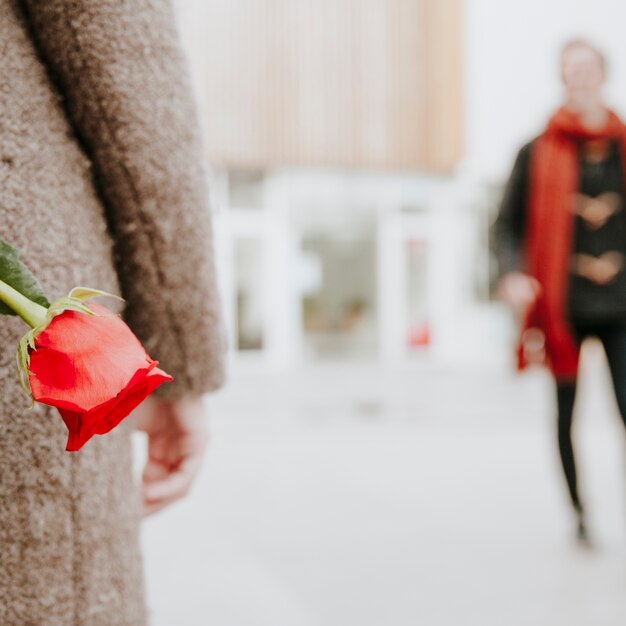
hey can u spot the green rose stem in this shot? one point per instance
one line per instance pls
(32, 313)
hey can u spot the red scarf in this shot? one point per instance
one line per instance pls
(553, 183)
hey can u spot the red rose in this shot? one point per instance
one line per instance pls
(93, 369)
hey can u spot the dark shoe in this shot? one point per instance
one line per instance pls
(582, 535)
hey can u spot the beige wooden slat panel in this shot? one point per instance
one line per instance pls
(357, 83)
(444, 136)
(321, 92)
(370, 126)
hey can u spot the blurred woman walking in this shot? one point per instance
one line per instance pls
(561, 243)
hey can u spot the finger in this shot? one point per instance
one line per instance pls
(154, 471)
(171, 488)
(151, 509)
(174, 485)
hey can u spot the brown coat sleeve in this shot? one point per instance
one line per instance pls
(126, 90)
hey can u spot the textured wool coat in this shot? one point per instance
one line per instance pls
(101, 184)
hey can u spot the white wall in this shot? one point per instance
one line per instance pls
(512, 82)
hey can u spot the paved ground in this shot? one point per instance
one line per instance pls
(350, 496)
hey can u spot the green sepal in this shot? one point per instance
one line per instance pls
(86, 293)
(14, 273)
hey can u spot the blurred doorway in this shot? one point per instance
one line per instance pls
(249, 294)
(416, 253)
(339, 306)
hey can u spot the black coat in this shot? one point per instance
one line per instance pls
(586, 300)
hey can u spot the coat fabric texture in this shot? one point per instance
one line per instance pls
(102, 184)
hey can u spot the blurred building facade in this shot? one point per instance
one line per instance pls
(351, 265)
(335, 130)
(365, 84)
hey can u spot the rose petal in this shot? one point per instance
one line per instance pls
(83, 360)
(83, 426)
(93, 369)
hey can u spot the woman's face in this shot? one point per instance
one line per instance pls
(583, 76)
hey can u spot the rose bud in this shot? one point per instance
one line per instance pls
(93, 369)
(78, 357)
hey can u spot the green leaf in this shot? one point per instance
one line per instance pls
(17, 275)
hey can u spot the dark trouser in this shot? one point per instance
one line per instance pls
(613, 339)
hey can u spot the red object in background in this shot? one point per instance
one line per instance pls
(420, 336)
(553, 182)
(93, 369)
